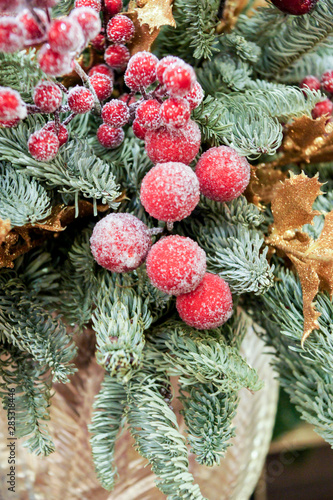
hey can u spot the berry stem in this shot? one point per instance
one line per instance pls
(69, 119)
(156, 230)
(105, 22)
(169, 226)
(62, 87)
(84, 77)
(33, 110)
(57, 122)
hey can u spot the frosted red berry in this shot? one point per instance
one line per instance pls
(176, 265)
(322, 108)
(120, 29)
(138, 130)
(9, 123)
(175, 113)
(33, 29)
(80, 100)
(89, 21)
(12, 34)
(327, 81)
(43, 145)
(120, 242)
(103, 69)
(180, 145)
(113, 7)
(179, 79)
(295, 7)
(110, 137)
(62, 132)
(115, 113)
(93, 4)
(148, 114)
(102, 85)
(208, 306)
(99, 42)
(165, 63)
(117, 56)
(11, 105)
(195, 96)
(141, 70)
(223, 174)
(65, 35)
(13, 6)
(52, 62)
(47, 96)
(310, 81)
(170, 191)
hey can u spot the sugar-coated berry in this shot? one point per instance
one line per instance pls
(322, 108)
(62, 132)
(115, 113)
(89, 21)
(99, 42)
(43, 145)
(101, 68)
(170, 191)
(327, 81)
(176, 265)
(223, 174)
(175, 113)
(120, 242)
(120, 29)
(310, 81)
(102, 85)
(9, 123)
(110, 137)
(165, 63)
(11, 105)
(179, 79)
(33, 29)
(65, 35)
(173, 145)
(12, 6)
(208, 306)
(52, 62)
(80, 100)
(141, 70)
(94, 4)
(47, 96)
(12, 34)
(113, 7)
(45, 4)
(148, 114)
(117, 56)
(138, 130)
(195, 96)
(295, 7)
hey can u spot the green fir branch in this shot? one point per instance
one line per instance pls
(210, 116)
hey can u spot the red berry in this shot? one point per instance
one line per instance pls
(47, 96)
(124, 98)
(148, 114)
(175, 113)
(89, 21)
(176, 265)
(52, 62)
(322, 108)
(113, 7)
(179, 79)
(33, 29)
(173, 145)
(165, 63)
(223, 174)
(94, 4)
(13, 6)
(295, 7)
(110, 137)
(138, 130)
(310, 81)
(327, 81)
(80, 100)
(141, 70)
(120, 242)
(11, 105)
(43, 145)
(65, 35)
(208, 306)
(9, 123)
(12, 34)
(195, 97)
(120, 29)
(101, 69)
(102, 85)
(115, 113)
(44, 4)
(99, 42)
(170, 191)
(62, 133)
(117, 56)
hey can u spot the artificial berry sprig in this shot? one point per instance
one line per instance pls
(325, 83)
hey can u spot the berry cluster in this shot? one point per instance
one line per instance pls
(324, 107)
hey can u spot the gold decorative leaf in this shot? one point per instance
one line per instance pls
(4, 229)
(263, 184)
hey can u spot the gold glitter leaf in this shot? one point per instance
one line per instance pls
(4, 229)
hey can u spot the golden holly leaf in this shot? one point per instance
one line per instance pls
(263, 183)
(4, 229)
(313, 259)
